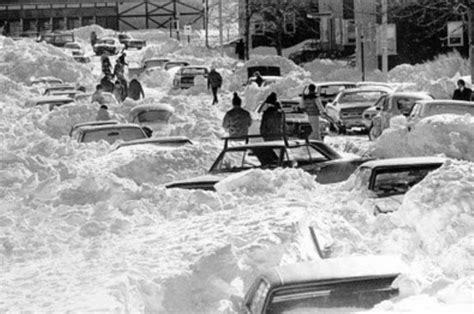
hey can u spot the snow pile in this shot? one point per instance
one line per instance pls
(434, 76)
(329, 70)
(84, 33)
(23, 60)
(451, 135)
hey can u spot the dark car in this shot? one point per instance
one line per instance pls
(129, 42)
(312, 156)
(341, 285)
(58, 39)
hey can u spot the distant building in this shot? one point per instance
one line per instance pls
(36, 16)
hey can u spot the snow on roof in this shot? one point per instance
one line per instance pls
(404, 161)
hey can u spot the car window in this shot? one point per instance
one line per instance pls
(112, 135)
(305, 153)
(256, 304)
(331, 90)
(152, 116)
(434, 109)
(261, 157)
(371, 96)
(380, 101)
(398, 181)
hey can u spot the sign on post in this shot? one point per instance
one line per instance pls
(187, 32)
(391, 41)
(455, 34)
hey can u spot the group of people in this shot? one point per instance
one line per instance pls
(237, 121)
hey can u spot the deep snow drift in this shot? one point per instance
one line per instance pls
(85, 227)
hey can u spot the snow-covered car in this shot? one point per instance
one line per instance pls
(269, 74)
(59, 88)
(46, 80)
(348, 106)
(312, 156)
(109, 133)
(75, 48)
(146, 66)
(297, 123)
(385, 181)
(267, 80)
(58, 39)
(109, 98)
(338, 285)
(329, 90)
(173, 64)
(423, 109)
(129, 42)
(372, 84)
(170, 142)
(377, 118)
(184, 77)
(52, 101)
(150, 114)
(110, 45)
(77, 126)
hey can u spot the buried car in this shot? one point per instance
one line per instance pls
(269, 74)
(169, 141)
(338, 285)
(312, 156)
(297, 123)
(52, 101)
(129, 42)
(109, 133)
(150, 114)
(387, 180)
(184, 77)
(108, 44)
(329, 90)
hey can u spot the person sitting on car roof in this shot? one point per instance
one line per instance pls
(273, 119)
(237, 120)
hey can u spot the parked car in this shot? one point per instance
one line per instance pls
(82, 59)
(57, 88)
(51, 101)
(108, 44)
(47, 80)
(269, 74)
(427, 108)
(297, 123)
(75, 48)
(349, 105)
(372, 84)
(312, 156)
(184, 77)
(341, 285)
(146, 65)
(377, 118)
(129, 42)
(68, 93)
(77, 126)
(170, 141)
(108, 97)
(329, 90)
(387, 180)
(58, 39)
(173, 64)
(150, 114)
(109, 133)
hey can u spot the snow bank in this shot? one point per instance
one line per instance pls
(451, 135)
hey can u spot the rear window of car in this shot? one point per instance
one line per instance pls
(152, 116)
(360, 97)
(447, 108)
(193, 71)
(331, 90)
(112, 135)
(171, 65)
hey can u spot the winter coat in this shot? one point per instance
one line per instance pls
(119, 71)
(312, 105)
(103, 115)
(273, 122)
(107, 85)
(465, 94)
(214, 79)
(237, 122)
(135, 90)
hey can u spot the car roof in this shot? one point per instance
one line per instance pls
(355, 268)
(157, 140)
(148, 107)
(367, 89)
(93, 123)
(276, 143)
(59, 86)
(51, 98)
(110, 126)
(403, 161)
(195, 67)
(447, 102)
(334, 83)
(410, 94)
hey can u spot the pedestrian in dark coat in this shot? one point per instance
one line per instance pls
(214, 82)
(462, 92)
(273, 120)
(106, 65)
(135, 90)
(107, 84)
(93, 39)
(314, 109)
(237, 120)
(103, 113)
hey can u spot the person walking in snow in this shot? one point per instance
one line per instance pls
(214, 82)
(237, 120)
(103, 113)
(273, 119)
(311, 104)
(135, 90)
(118, 91)
(93, 39)
(462, 92)
(107, 84)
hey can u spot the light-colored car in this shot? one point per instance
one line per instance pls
(146, 65)
(110, 45)
(297, 123)
(423, 109)
(377, 118)
(184, 77)
(77, 126)
(150, 114)
(167, 142)
(387, 180)
(372, 84)
(46, 80)
(129, 42)
(329, 90)
(348, 106)
(334, 285)
(51, 101)
(59, 88)
(267, 80)
(75, 48)
(109, 133)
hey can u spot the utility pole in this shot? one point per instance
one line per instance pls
(221, 34)
(247, 37)
(206, 21)
(384, 39)
(471, 39)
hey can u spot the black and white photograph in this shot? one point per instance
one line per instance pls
(236, 156)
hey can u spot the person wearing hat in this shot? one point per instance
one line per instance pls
(237, 120)
(273, 119)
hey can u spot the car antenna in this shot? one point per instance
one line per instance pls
(315, 241)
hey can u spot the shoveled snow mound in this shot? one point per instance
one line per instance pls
(84, 32)
(330, 70)
(451, 135)
(23, 60)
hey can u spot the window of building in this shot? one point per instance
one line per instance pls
(259, 28)
(290, 22)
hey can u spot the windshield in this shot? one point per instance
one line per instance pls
(365, 97)
(171, 65)
(331, 90)
(434, 109)
(387, 182)
(152, 116)
(305, 154)
(238, 160)
(112, 135)
(64, 38)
